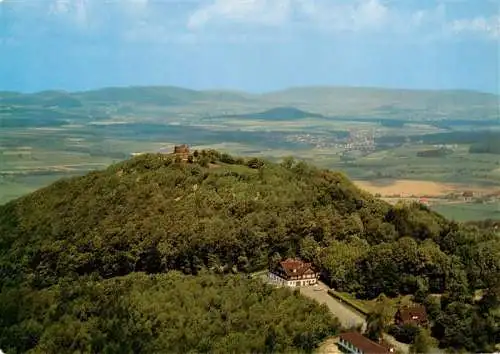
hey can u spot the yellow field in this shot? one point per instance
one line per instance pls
(418, 188)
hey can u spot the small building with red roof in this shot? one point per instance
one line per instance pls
(293, 272)
(416, 315)
(356, 343)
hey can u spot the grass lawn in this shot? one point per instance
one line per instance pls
(368, 306)
(364, 306)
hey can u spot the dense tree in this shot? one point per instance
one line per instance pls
(164, 313)
(378, 320)
(405, 333)
(423, 342)
(217, 213)
(433, 307)
(339, 262)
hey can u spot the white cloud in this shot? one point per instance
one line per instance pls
(80, 9)
(332, 14)
(81, 12)
(59, 7)
(96, 15)
(370, 13)
(73, 10)
(149, 19)
(267, 12)
(342, 16)
(134, 7)
(478, 25)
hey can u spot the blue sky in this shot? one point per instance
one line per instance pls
(252, 45)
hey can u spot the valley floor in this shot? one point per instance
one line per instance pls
(445, 198)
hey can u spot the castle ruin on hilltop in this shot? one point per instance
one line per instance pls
(181, 149)
(182, 152)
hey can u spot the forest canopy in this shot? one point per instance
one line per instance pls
(212, 213)
(166, 313)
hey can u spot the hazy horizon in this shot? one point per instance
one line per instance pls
(239, 90)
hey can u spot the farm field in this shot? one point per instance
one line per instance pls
(469, 211)
(40, 144)
(411, 187)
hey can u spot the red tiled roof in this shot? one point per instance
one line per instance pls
(299, 266)
(407, 314)
(364, 344)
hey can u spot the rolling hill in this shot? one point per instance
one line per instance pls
(332, 101)
(358, 100)
(74, 258)
(277, 114)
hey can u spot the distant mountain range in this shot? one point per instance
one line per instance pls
(296, 103)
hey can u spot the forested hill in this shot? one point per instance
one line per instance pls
(338, 102)
(278, 113)
(76, 242)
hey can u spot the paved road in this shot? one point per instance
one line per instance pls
(346, 316)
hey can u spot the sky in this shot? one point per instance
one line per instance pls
(249, 45)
